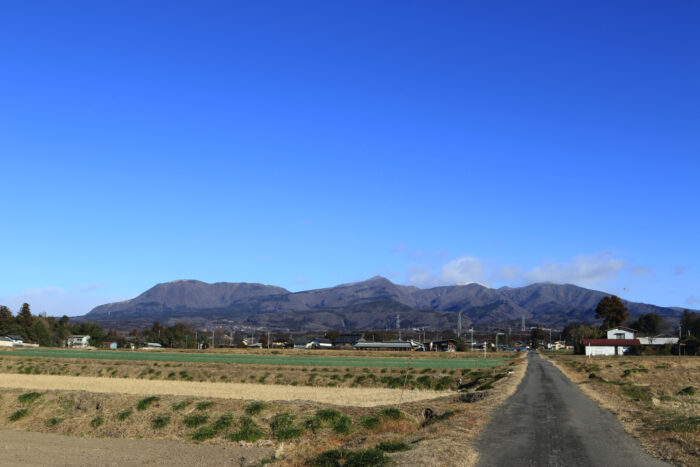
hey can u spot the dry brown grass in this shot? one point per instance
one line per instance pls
(643, 392)
(358, 397)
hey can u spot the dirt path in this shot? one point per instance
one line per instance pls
(550, 422)
(42, 449)
(357, 397)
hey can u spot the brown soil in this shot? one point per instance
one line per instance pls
(42, 449)
(357, 397)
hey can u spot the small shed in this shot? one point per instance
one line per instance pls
(110, 345)
(608, 347)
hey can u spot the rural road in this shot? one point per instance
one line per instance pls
(550, 422)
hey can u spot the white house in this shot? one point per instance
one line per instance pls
(608, 347)
(78, 341)
(6, 342)
(627, 333)
(621, 333)
(17, 341)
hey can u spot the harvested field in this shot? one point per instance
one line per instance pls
(358, 397)
(408, 376)
(297, 431)
(295, 358)
(656, 398)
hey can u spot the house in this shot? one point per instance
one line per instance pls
(17, 341)
(280, 344)
(313, 343)
(153, 345)
(390, 345)
(628, 333)
(252, 342)
(608, 347)
(110, 345)
(6, 342)
(78, 341)
(448, 345)
(557, 345)
(347, 340)
(621, 333)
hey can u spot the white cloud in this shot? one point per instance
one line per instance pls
(463, 270)
(641, 271)
(679, 270)
(584, 270)
(692, 301)
(581, 270)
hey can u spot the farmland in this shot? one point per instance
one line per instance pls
(655, 397)
(291, 368)
(312, 358)
(344, 411)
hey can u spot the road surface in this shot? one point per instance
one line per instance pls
(550, 422)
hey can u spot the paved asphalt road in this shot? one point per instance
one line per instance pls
(550, 422)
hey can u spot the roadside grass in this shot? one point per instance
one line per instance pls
(21, 413)
(195, 419)
(160, 421)
(657, 392)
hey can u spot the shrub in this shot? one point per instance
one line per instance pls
(689, 391)
(343, 425)
(180, 405)
(160, 421)
(248, 431)
(393, 446)
(444, 383)
(123, 415)
(484, 387)
(28, 397)
(144, 404)
(391, 412)
(255, 408)
(283, 428)
(682, 424)
(328, 415)
(373, 457)
(97, 421)
(51, 422)
(19, 414)
(204, 433)
(223, 422)
(636, 392)
(195, 419)
(327, 458)
(205, 405)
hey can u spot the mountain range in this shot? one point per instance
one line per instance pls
(370, 304)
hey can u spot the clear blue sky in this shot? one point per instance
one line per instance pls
(305, 144)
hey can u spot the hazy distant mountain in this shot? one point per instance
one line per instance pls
(371, 304)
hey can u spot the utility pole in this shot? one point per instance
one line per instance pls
(471, 331)
(484, 349)
(459, 325)
(398, 325)
(212, 339)
(268, 338)
(195, 341)
(498, 334)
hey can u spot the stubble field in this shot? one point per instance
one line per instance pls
(327, 419)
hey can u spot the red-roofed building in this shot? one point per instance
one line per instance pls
(608, 347)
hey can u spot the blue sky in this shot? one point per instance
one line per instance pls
(305, 144)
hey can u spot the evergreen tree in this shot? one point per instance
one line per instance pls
(24, 317)
(613, 312)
